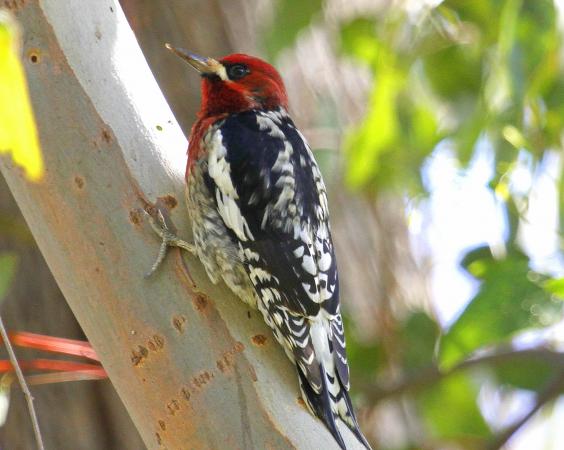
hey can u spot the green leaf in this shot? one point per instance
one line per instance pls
(509, 300)
(358, 39)
(400, 128)
(531, 373)
(364, 358)
(7, 270)
(538, 19)
(455, 72)
(451, 413)
(379, 130)
(291, 17)
(469, 132)
(483, 16)
(549, 120)
(419, 337)
(555, 286)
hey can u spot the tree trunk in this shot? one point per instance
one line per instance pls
(189, 361)
(35, 303)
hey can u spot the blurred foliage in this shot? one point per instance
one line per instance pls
(418, 335)
(18, 135)
(555, 286)
(450, 411)
(463, 74)
(460, 71)
(400, 128)
(510, 299)
(533, 372)
(365, 357)
(296, 15)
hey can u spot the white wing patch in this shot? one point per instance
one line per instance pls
(267, 122)
(218, 167)
(259, 275)
(283, 212)
(226, 195)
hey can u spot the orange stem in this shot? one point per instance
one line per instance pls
(53, 344)
(56, 365)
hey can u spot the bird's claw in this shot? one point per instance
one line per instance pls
(164, 228)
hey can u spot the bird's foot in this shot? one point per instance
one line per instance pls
(162, 225)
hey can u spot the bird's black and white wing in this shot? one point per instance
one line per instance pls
(269, 192)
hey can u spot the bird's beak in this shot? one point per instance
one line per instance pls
(206, 66)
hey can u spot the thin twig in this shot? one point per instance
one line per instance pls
(549, 393)
(433, 374)
(23, 385)
(61, 377)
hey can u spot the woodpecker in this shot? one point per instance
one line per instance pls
(260, 220)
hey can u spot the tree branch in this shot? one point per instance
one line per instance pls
(433, 374)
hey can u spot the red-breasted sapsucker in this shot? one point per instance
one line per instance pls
(260, 222)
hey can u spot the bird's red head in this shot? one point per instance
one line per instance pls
(236, 83)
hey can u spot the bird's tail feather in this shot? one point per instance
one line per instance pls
(353, 424)
(327, 407)
(320, 404)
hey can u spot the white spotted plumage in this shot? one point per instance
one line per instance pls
(225, 194)
(271, 201)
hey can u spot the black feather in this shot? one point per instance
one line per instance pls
(321, 405)
(282, 199)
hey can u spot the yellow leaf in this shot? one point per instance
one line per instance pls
(514, 136)
(18, 134)
(502, 191)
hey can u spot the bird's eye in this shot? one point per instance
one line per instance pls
(237, 71)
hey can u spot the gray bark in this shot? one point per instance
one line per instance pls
(189, 361)
(35, 303)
